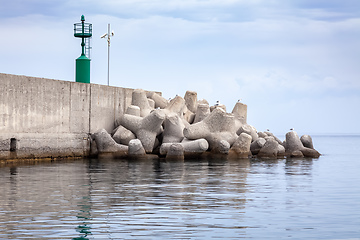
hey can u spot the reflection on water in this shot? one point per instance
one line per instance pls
(84, 217)
(197, 199)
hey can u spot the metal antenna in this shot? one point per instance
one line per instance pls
(108, 35)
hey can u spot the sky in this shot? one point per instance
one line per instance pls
(294, 63)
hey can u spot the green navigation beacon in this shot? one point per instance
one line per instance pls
(84, 31)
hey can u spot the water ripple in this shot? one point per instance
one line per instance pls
(198, 199)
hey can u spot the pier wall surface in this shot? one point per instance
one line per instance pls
(46, 118)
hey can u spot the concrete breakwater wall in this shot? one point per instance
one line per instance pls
(52, 118)
(44, 118)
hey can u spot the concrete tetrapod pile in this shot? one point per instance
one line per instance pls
(187, 127)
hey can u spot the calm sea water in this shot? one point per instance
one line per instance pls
(197, 199)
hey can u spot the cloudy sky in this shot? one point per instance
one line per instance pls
(294, 63)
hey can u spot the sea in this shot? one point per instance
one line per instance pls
(192, 199)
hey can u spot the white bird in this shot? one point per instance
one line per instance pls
(291, 129)
(239, 100)
(217, 103)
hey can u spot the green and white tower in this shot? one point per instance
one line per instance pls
(84, 31)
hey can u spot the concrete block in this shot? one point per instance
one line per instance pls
(218, 105)
(216, 127)
(294, 144)
(175, 152)
(203, 101)
(191, 100)
(241, 147)
(123, 135)
(306, 140)
(189, 146)
(281, 150)
(222, 147)
(311, 153)
(195, 146)
(151, 103)
(105, 144)
(246, 128)
(139, 99)
(133, 110)
(276, 138)
(296, 154)
(269, 150)
(176, 105)
(262, 135)
(189, 116)
(202, 111)
(240, 113)
(173, 129)
(160, 102)
(257, 145)
(146, 129)
(136, 148)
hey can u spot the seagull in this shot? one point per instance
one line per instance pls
(291, 129)
(268, 130)
(217, 103)
(239, 100)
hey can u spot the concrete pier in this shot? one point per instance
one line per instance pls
(51, 118)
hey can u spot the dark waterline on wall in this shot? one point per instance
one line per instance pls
(191, 199)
